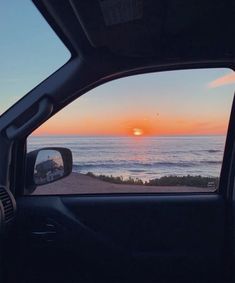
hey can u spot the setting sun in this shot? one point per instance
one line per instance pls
(137, 132)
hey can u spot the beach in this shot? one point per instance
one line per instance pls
(77, 183)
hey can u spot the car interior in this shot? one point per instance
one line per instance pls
(174, 237)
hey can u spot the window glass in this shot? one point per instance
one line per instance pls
(159, 132)
(30, 51)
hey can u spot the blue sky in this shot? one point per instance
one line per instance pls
(29, 50)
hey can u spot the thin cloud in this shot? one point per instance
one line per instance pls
(225, 80)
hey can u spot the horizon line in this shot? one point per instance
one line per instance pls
(143, 136)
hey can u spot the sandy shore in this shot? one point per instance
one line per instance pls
(77, 183)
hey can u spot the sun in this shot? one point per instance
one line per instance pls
(137, 132)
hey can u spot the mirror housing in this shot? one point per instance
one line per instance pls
(47, 165)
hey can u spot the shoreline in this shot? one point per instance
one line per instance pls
(77, 183)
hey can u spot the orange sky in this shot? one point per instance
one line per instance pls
(148, 126)
(192, 102)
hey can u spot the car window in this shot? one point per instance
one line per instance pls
(160, 132)
(30, 51)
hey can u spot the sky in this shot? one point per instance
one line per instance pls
(188, 102)
(29, 50)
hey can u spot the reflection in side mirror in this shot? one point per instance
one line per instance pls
(49, 167)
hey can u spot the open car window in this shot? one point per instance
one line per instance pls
(160, 133)
(30, 51)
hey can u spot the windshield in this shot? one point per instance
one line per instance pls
(30, 51)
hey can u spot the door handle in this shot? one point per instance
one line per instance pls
(47, 236)
(43, 233)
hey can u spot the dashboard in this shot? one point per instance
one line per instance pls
(1, 218)
(7, 214)
(7, 207)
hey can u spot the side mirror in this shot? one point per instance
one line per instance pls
(47, 165)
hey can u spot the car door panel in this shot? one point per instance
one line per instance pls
(155, 238)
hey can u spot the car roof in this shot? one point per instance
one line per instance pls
(145, 31)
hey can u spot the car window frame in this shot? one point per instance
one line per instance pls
(225, 186)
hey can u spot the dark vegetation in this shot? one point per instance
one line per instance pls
(117, 180)
(189, 181)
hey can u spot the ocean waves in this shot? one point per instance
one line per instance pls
(130, 165)
(142, 158)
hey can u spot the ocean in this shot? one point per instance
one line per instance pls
(140, 157)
